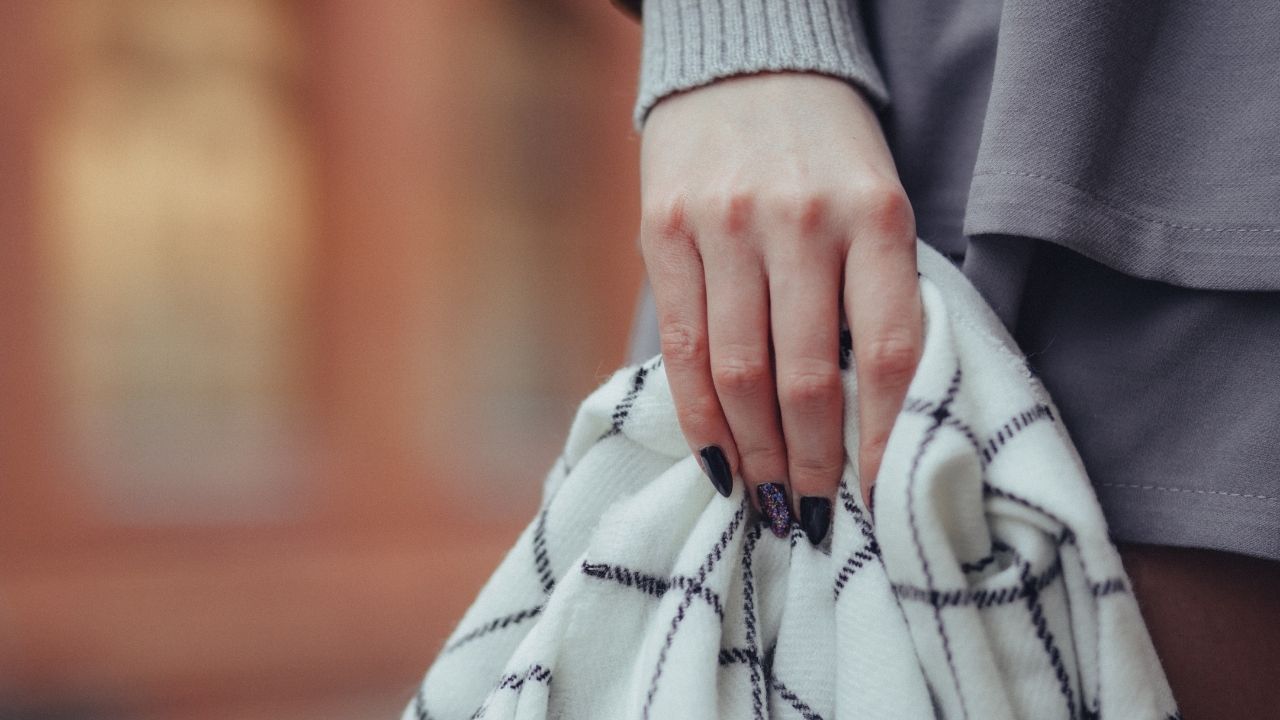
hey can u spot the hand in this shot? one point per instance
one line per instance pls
(772, 210)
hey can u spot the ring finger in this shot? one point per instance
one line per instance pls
(742, 371)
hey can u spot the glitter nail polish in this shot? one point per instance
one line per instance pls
(773, 503)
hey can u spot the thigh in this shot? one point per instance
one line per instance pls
(1215, 620)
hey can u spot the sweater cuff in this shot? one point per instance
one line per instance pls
(688, 43)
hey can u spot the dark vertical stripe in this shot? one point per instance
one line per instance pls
(912, 477)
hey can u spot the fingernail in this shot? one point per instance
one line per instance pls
(773, 501)
(815, 517)
(871, 501)
(716, 466)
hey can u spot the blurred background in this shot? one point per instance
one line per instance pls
(297, 301)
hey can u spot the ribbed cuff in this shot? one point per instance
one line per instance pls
(688, 43)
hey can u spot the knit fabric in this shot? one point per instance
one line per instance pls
(984, 587)
(688, 43)
(1143, 135)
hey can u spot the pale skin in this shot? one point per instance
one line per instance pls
(772, 209)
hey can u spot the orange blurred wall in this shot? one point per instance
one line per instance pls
(397, 235)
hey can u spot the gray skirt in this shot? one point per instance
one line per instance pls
(1171, 394)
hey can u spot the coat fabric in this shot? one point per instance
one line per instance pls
(985, 585)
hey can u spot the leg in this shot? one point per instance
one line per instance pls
(1215, 620)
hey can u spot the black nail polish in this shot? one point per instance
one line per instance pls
(773, 501)
(716, 466)
(815, 517)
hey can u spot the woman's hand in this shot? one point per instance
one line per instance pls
(772, 209)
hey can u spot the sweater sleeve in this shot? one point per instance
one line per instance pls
(688, 43)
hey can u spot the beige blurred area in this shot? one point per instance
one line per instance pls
(297, 300)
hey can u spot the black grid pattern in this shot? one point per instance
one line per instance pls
(763, 682)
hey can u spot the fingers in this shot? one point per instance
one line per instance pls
(751, 346)
(741, 367)
(675, 271)
(805, 303)
(882, 302)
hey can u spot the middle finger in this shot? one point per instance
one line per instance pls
(742, 371)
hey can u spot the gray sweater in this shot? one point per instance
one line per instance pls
(1144, 134)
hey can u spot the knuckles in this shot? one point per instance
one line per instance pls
(810, 390)
(888, 361)
(682, 344)
(667, 219)
(884, 212)
(878, 205)
(740, 376)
